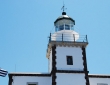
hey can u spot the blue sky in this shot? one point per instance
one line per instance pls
(25, 26)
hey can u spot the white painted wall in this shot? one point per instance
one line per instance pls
(50, 62)
(22, 80)
(70, 79)
(94, 81)
(62, 52)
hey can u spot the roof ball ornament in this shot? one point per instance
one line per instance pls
(63, 8)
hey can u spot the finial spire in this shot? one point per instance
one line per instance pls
(63, 8)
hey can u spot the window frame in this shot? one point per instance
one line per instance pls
(36, 83)
(102, 84)
(71, 57)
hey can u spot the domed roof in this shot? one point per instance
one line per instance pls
(64, 16)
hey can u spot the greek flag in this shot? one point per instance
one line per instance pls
(3, 72)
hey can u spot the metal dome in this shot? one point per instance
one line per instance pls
(64, 16)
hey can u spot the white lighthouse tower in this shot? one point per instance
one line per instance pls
(66, 53)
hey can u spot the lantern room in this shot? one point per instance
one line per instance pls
(64, 22)
(64, 29)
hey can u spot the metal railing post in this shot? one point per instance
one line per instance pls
(86, 39)
(74, 37)
(62, 37)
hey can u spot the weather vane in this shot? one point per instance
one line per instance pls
(63, 8)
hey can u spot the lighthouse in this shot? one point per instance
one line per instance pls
(66, 53)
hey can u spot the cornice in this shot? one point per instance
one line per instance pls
(64, 44)
(24, 74)
(99, 76)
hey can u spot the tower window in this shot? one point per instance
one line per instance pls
(102, 84)
(69, 60)
(32, 83)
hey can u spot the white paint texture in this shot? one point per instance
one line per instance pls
(94, 81)
(70, 79)
(67, 35)
(22, 80)
(75, 52)
(50, 62)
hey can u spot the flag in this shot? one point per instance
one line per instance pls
(3, 72)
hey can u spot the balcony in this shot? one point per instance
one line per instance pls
(67, 38)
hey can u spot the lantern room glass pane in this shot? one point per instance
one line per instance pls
(56, 28)
(61, 27)
(64, 27)
(67, 27)
(72, 27)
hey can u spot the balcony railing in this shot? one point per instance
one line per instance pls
(68, 38)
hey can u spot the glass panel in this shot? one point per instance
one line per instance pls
(67, 27)
(72, 27)
(56, 28)
(61, 27)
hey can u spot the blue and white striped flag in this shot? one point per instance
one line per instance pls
(3, 72)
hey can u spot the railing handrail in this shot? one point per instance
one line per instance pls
(62, 37)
